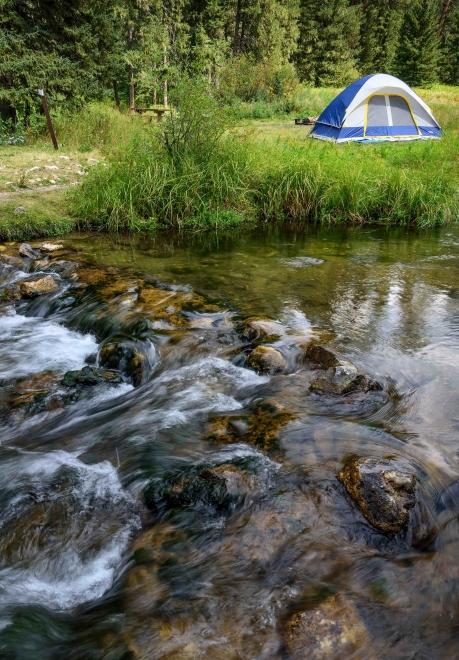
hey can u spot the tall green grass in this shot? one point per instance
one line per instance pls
(97, 126)
(215, 178)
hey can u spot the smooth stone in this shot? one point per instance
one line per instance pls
(26, 250)
(41, 264)
(383, 489)
(14, 262)
(302, 262)
(38, 286)
(266, 359)
(335, 375)
(263, 330)
(51, 247)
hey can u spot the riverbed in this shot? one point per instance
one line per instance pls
(173, 445)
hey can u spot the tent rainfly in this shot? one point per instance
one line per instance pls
(376, 108)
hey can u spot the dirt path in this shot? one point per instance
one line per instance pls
(6, 196)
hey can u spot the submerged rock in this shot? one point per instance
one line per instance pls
(383, 489)
(31, 393)
(335, 375)
(14, 262)
(266, 359)
(26, 250)
(91, 376)
(260, 427)
(41, 264)
(320, 357)
(332, 630)
(38, 286)
(65, 269)
(10, 294)
(262, 330)
(219, 487)
(130, 357)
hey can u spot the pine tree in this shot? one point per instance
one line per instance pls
(450, 48)
(380, 35)
(328, 42)
(419, 50)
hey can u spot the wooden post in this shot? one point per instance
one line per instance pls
(165, 82)
(49, 122)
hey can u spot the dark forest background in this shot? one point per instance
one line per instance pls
(135, 50)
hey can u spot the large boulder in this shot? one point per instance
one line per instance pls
(329, 631)
(383, 489)
(38, 286)
(266, 359)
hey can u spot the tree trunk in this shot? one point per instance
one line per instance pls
(27, 113)
(131, 70)
(237, 27)
(444, 14)
(116, 95)
(131, 90)
(165, 83)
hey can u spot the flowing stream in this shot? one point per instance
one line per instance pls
(173, 497)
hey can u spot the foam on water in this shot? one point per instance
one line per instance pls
(76, 582)
(64, 575)
(31, 345)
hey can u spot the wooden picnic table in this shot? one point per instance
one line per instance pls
(159, 112)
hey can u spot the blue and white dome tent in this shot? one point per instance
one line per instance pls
(375, 108)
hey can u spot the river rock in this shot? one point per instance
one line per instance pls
(32, 393)
(130, 357)
(91, 376)
(266, 359)
(51, 247)
(41, 264)
(383, 489)
(218, 487)
(26, 250)
(14, 262)
(38, 286)
(10, 294)
(64, 268)
(262, 330)
(319, 356)
(332, 630)
(335, 375)
(260, 427)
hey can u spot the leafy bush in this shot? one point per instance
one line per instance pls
(245, 80)
(188, 171)
(195, 129)
(11, 133)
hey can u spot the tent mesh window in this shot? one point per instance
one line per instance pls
(377, 111)
(401, 115)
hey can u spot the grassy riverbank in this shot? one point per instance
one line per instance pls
(213, 168)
